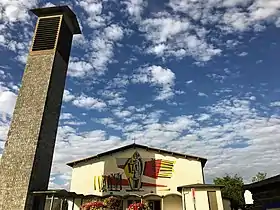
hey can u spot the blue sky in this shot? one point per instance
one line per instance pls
(193, 76)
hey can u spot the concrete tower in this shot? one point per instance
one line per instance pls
(26, 162)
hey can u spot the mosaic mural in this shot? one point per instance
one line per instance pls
(134, 169)
(159, 168)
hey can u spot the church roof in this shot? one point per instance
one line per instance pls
(202, 160)
(269, 181)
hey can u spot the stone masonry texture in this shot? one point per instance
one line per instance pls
(26, 162)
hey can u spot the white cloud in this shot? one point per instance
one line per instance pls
(102, 54)
(79, 68)
(259, 12)
(122, 113)
(116, 101)
(259, 134)
(2, 39)
(13, 11)
(157, 49)
(162, 76)
(235, 20)
(7, 104)
(135, 8)
(98, 44)
(106, 121)
(160, 134)
(113, 97)
(275, 103)
(71, 145)
(66, 116)
(140, 108)
(132, 127)
(102, 48)
(93, 9)
(179, 124)
(238, 124)
(170, 34)
(157, 76)
(173, 36)
(67, 96)
(202, 94)
(53, 183)
(113, 32)
(49, 4)
(252, 98)
(264, 9)
(243, 54)
(4, 128)
(234, 3)
(234, 16)
(109, 122)
(217, 129)
(203, 117)
(79, 40)
(160, 29)
(14, 15)
(74, 123)
(120, 81)
(87, 102)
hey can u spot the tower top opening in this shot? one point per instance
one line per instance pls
(59, 10)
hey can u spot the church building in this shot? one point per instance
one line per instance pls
(166, 180)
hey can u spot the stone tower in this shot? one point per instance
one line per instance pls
(26, 162)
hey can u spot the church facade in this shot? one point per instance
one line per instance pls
(166, 180)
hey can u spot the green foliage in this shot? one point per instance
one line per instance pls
(233, 189)
(259, 177)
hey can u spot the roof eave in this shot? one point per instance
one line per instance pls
(197, 186)
(202, 160)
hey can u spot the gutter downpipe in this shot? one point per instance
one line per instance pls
(51, 205)
(183, 198)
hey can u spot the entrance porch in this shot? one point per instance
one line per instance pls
(64, 200)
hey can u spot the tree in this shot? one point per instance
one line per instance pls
(259, 177)
(233, 189)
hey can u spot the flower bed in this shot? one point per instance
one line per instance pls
(110, 203)
(94, 205)
(139, 206)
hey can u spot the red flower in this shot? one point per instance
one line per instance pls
(94, 204)
(138, 206)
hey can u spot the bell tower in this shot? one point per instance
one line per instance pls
(27, 158)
